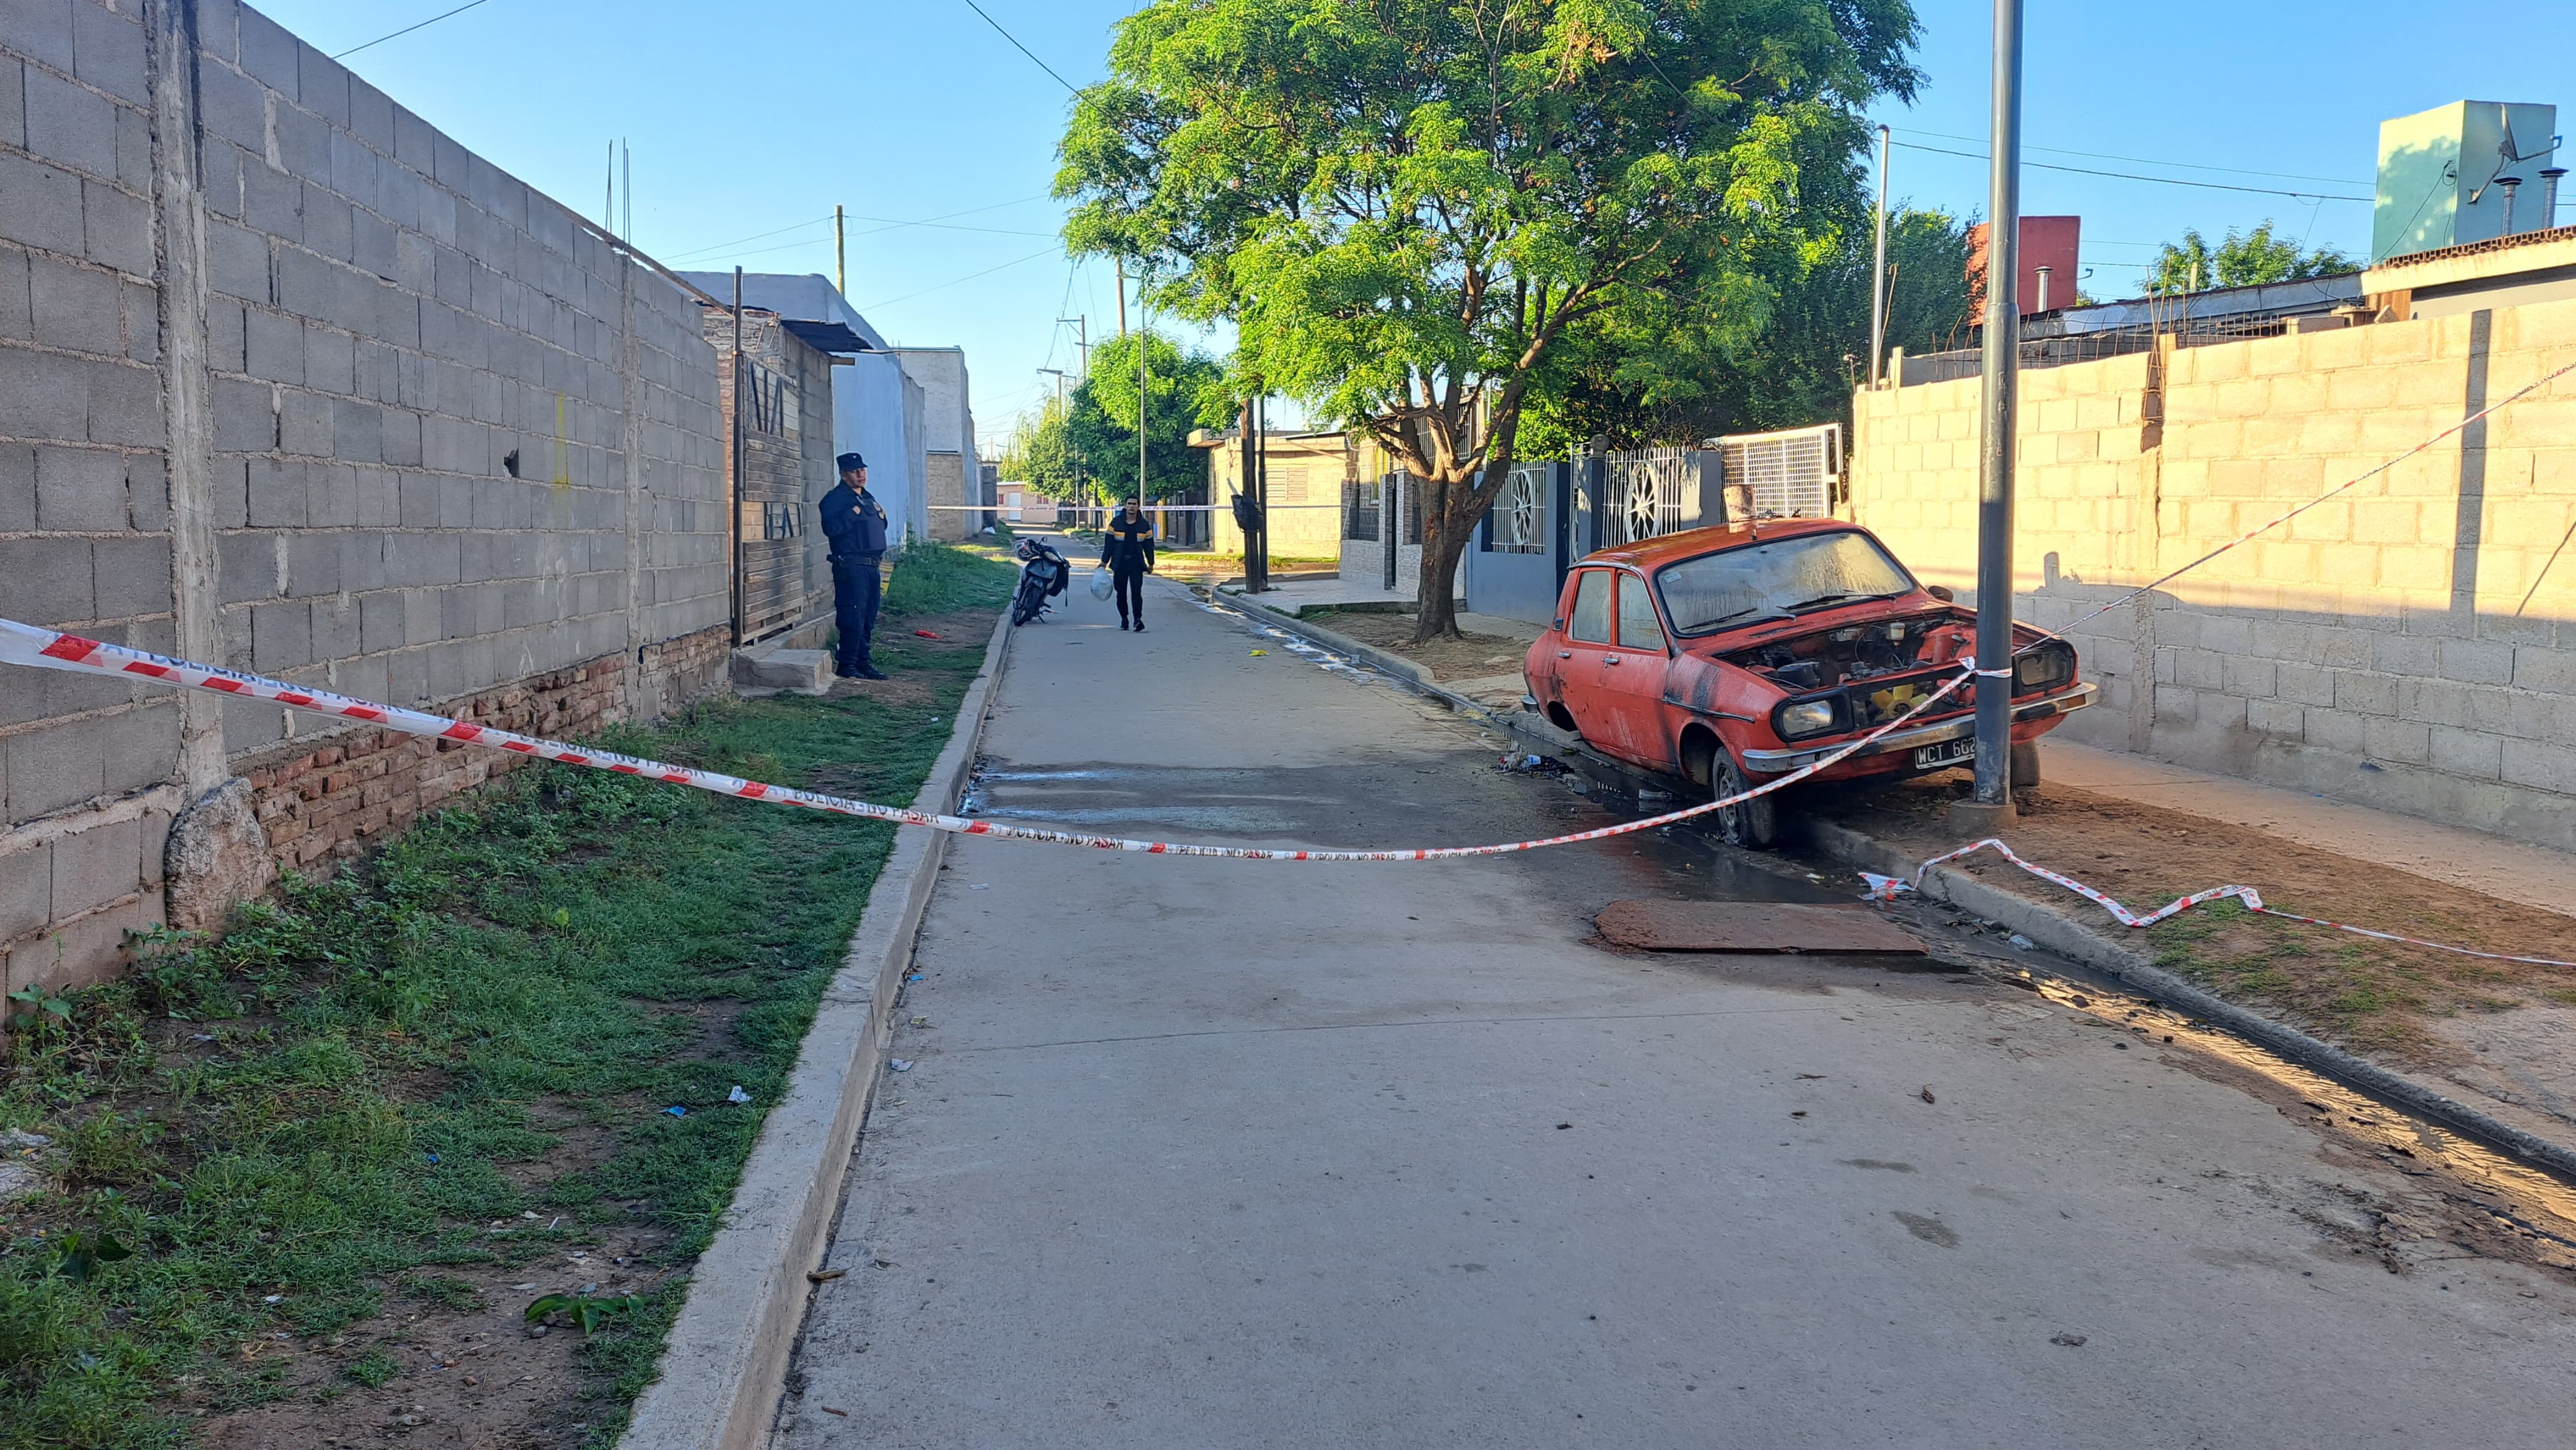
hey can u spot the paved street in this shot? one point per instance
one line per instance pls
(1212, 1154)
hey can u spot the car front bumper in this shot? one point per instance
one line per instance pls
(1780, 762)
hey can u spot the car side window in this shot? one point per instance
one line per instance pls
(1589, 623)
(1638, 627)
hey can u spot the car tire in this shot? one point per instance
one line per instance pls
(1755, 824)
(2025, 764)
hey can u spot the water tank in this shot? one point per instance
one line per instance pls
(2439, 169)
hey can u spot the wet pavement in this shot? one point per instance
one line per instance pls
(1210, 1153)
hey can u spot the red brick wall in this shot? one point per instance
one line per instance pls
(322, 806)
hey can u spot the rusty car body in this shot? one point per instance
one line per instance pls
(1734, 655)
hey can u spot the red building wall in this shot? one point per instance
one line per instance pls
(2046, 241)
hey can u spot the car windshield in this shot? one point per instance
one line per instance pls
(1778, 580)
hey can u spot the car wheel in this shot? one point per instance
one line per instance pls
(2025, 764)
(1753, 824)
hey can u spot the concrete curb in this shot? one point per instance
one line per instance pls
(724, 1365)
(1383, 661)
(2064, 934)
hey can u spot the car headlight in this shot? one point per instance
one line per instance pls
(2047, 666)
(1799, 719)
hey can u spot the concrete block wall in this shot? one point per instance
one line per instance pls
(85, 536)
(424, 433)
(2410, 644)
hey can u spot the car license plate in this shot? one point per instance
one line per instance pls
(1948, 752)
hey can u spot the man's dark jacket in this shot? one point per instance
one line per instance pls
(854, 522)
(1128, 546)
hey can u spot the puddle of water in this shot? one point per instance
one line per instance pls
(2529, 1200)
(1216, 819)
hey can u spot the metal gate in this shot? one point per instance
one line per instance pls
(1646, 494)
(1794, 474)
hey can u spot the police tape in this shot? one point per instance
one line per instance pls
(1888, 887)
(27, 644)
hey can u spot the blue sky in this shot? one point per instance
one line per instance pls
(757, 116)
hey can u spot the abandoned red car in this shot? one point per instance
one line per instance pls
(1731, 656)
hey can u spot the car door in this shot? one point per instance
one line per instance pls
(1589, 638)
(1632, 677)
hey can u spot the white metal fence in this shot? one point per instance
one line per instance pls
(1793, 474)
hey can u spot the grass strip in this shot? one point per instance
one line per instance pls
(454, 1062)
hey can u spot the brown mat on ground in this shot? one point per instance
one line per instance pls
(1752, 926)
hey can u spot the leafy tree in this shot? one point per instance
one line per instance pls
(1040, 450)
(1425, 216)
(1185, 390)
(1801, 366)
(2243, 260)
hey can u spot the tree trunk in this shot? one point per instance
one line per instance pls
(1444, 540)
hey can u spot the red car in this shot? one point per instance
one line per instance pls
(1730, 656)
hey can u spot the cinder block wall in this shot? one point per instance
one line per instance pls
(2410, 645)
(397, 425)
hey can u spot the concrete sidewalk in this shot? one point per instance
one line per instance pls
(1205, 1153)
(2513, 870)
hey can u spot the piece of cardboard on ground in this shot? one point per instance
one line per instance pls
(1752, 927)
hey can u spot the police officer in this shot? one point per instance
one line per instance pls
(1127, 547)
(856, 525)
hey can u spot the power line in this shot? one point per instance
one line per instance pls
(2132, 176)
(1015, 41)
(756, 236)
(953, 281)
(2148, 160)
(408, 29)
(892, 224)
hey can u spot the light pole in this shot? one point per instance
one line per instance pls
(1992, 805)
(1878, 271)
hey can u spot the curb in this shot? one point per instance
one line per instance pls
(2063, 934)
(1383, 661)
(724, 1365)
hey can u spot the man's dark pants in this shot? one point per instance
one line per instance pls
(1129, 583)
(856, 588)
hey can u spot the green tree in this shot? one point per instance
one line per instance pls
(1185, 390)
(1800, 367)
(1423, 216)
(2243, 260)
(1040, 450)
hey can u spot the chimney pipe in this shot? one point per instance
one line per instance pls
(2043, 289)
(2511, 184)
(2549, 196)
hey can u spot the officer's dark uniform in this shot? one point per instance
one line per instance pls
(1127, 547)
(856, 525)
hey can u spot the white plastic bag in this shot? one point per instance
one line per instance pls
(1100, 585)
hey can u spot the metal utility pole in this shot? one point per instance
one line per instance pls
(1995, 441)
(840, 252)
(1256, 563)
(1122, 297)
(1081, 341)
(1878, 271)
(735, 529)
(608, 205)
(1141, 379)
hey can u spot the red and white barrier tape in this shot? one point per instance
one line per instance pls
(26, 644)
(1886, 887)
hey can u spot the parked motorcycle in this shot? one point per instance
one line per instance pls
(1043, 573)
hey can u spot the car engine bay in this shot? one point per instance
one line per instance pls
(1854, 652)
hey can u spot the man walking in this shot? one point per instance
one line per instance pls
(1127, 547)
(856, 525)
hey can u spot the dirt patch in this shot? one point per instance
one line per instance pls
(454, 1362)
(2383, 998)
(1470, 657)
